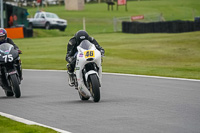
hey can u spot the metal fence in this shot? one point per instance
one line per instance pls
(117, 22)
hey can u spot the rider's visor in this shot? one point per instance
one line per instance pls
(2, 38)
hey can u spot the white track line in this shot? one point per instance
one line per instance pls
(120, 74)
(28, 122)
(158, 77)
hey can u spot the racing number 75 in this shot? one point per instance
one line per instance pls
(8, 58)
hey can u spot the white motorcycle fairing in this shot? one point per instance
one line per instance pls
(88, 63)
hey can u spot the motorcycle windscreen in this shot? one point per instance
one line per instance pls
(85, 44)
(7, 51)
(5, 47)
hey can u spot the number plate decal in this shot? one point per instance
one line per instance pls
(8, 58)
(89, 54)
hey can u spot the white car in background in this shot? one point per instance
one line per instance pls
(48, 21)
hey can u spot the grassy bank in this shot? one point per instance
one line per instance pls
(8, 126)
(173, 55)
(100, 20)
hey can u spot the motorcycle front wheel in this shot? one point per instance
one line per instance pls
(94, 87)
(15, 85)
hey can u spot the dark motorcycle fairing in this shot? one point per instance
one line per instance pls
(7, 49)
(9, 73)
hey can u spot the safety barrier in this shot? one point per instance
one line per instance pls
(19, 32)
(161, 27)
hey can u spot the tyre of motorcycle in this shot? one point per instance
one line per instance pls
(91, 81)
(10, 84)
(5, 87)
(14, 83)
(94, 87)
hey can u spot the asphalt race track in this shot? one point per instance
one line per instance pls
(129, 104)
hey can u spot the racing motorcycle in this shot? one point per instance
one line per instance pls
(88, 71)
(9, 73)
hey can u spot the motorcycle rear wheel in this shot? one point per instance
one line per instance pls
(9, 94)
(82, 97)
(94, 87)
(15, 85)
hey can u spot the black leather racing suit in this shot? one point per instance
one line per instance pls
(72, 49)
(8, 40)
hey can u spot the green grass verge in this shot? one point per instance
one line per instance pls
(173, 55)
(9, 126)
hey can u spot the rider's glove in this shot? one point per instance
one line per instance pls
(19, 51)
(71, 59)
(102, 52)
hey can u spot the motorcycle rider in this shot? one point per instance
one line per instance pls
(5, 39)
(72, 49)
